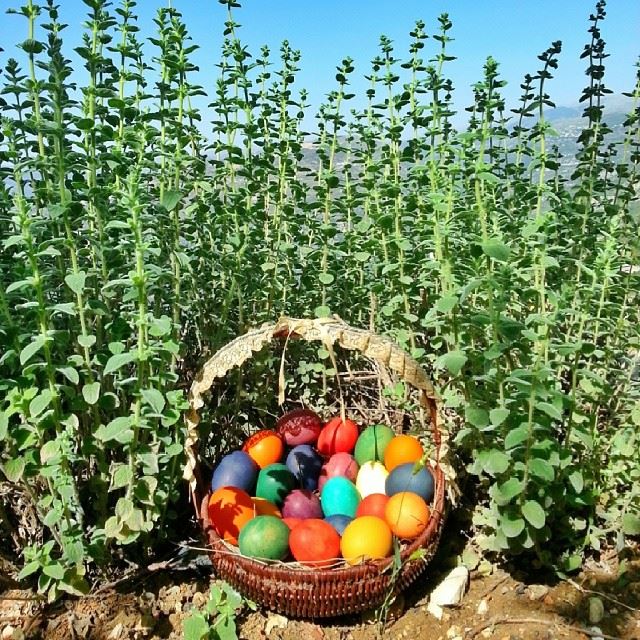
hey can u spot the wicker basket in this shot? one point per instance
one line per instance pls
(287, 587)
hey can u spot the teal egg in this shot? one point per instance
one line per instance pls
(339, 496)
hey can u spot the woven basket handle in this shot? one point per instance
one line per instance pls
(326, 330)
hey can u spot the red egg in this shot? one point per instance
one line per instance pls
(300, 426)
(373, 505)
(339, 464)
(337, 436)
(291, 522)
(314, 542)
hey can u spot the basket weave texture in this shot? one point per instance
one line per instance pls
(287, 587)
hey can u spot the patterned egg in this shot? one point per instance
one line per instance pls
(366, 538)
(336, 436)
(265, 447)
(235, 470)
(372, 443)
(301, 504)
(300, 426)
(407, 514)
(371, 478)
(402, 449)
(339, 495)
(274, 482)
(406, 477)
(339, 464)
(314, 542)
(265, 537)
(229, 511)
(305, 464)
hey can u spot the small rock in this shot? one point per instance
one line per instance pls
(199, 599)
(435, 610)
(520, 589)
(451, 589)
(596, 610)
(504, 590)
(595, 631)
(116, 631)
(614, 611)
(483, 607)
(548, 600)
(275, 621)
(7, 632)
(537, 591)
(453, 632)
(487, 633)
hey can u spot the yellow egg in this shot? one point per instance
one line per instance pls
(371, 478)
(366, 538)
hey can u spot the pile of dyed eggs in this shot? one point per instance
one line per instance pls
(319, 492)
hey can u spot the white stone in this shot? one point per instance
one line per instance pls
(537, 591)
(483, 608)
(435, 610)
(450, 591)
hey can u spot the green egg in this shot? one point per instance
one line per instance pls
(275, 481)
(265, 537)
(372, 443)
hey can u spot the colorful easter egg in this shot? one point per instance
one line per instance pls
(275, 481)
(402, 449)
(337, 436)
(265, 447)
(292, 522)
(237, 469)
(339, 522)
(405, 477)
(300, 426)
(314, 542)
(339, 464)
(339, 495)
(366, 538)
(407, 514)
(305, 464)
(371, 478)
(301, 504)
(373, 505)
(372, 443)
(264, 537)
(229, 510)
(265, 508)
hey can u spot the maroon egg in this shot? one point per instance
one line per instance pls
(302, 504)
(300, 426)
(339, 464)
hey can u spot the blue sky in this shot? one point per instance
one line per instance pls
(325, 31)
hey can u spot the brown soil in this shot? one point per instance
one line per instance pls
(498, 604)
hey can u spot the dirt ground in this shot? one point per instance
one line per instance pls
(500, 604)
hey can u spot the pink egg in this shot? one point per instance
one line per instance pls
(302, 504)
(339, 464)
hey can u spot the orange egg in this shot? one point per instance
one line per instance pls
(373, 505)
(407, 514)
(366, 538)
(402, 449)
(265, 508)
(230, 509)
(264, 448)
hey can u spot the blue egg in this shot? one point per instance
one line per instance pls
(339, 522)
(236, 469)
(305, 464)
(403, 478)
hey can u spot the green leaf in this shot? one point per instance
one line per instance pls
(70, 374)
(326, 278)
(155, 399)
(534, 514)
(631, 524)
(31, 349)
(112, 527)
(512, 526)
(476, 416)
(121, 477)
(496, 249)
(516, 437)
(195, 627)
(4, 425)
(497, 462)
(14, 469)
(40, 403)
(446, 303)
(577, 481)
(542, 469)
(86, 341)
(111, 431)
(170, 199)
(453, 361)
(29, 569)
(160, 326)
(362, 256)
(91, 392)
(509, 489)
(322, 312)
(498, 416)
(550, 410)
(76, 282)
(117, 361)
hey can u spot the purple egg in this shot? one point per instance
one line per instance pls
(339, 464)
(302, 504)
(236, 469)
(339, 522)
(305, 463)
